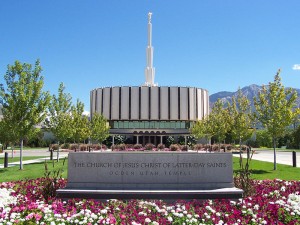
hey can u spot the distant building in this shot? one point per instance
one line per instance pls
(150, 113)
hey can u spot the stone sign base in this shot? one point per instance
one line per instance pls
(150, 175)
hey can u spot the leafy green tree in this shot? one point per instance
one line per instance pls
(24, 102)
(80, 123)
(60, 121)
(99, 128)
(217, 124)
(242, 119)
(220, 121)
(202, 129)
(274, 109)
(7, 135)
(263, 138)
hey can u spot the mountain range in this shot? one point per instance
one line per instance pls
(250, 92)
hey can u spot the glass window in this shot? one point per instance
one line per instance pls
(126, 125)
(152, 125)
(136, 124)
(121, 125)
(142, 125)
(167, 125)
(162, 124)
(116, 125)
(147, 124)
(156, 124)
(130, 125)
(173, 125)
(182, 125)
(178, 125)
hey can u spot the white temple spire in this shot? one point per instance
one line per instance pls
(150, 70)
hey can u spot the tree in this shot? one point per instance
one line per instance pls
(80, 122)
(7, 135)
(220, 121)
(99, 128)
(202, 129)
(217, 123)
(24, 102)
(60, 121)
(242, 119)
(274, 109)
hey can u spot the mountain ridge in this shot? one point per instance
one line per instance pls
(250, 92)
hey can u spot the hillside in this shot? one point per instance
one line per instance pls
(250, 91)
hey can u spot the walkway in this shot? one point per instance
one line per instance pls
(282, 157)
(45, 155)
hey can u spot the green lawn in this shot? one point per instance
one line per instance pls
(264, 170)
(30, 171)
(17, 159)
(261, 171)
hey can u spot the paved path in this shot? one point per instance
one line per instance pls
(44, 153)
(282, 157)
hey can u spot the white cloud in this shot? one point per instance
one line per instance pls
(86, 113)
(296, 67)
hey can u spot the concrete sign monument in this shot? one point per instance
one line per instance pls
(165, 175)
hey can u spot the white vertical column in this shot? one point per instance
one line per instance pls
(149, 70)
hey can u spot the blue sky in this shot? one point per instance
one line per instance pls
(216, 45)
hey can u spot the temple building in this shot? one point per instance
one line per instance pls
(150, 113)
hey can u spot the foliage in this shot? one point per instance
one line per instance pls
(161, 146)
(174, 147)
(74, 147)
(99, 128)
(263, 138)
(217, 123)
(296, 138)
(51, 179)
(149, 146)
(198, 147)
(190, 140)
(241, 116)
(7, 134)
(137, 146)
(24, 102)
(273, 202)
(60, 121)
(243, 178)
(80, 123)
(170, 141)
(274, 109)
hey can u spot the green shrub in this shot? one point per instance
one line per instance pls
(65, 146)
(174, 147)
(54, 146)
(149, 146)
(74, 147)
(161, 146)
(137, 146)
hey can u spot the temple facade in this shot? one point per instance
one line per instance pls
(150, 113)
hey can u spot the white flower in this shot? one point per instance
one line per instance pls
(6, 198)
(147, 220)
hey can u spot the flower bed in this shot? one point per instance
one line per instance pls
(274, 202)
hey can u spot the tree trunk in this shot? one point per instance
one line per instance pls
(241, 153)
(274, 148)
(21, 155)
(57, 159)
